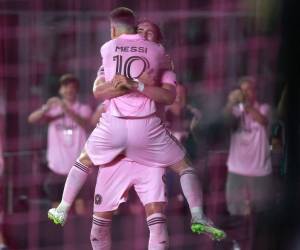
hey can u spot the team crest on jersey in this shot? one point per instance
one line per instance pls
(98, 199)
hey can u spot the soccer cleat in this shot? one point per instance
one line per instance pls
(57, 217)
(203, 225)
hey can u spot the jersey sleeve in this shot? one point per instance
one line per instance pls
(168, 77)
(100, 72)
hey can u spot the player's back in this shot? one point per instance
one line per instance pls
(131, 55)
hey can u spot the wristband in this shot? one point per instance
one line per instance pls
(140, 86)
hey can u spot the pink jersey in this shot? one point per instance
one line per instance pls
(65, 138)
(131, 55)
(249, 152)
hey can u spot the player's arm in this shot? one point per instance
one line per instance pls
(160, 90)
(257, 115)
(103, 90)
(38, 115)
(41, 114)
(83, 122)
(165, 94)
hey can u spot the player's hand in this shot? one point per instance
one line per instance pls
(235, 96)
(53, 101)
(123, 83)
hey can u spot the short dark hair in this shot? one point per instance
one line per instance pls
(68, 78)
(123, 15)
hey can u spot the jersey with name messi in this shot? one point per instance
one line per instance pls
(131, 55)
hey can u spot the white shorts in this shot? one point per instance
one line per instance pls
(143, 140)
(114, 182)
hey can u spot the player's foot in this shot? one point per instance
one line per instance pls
(57, 217)
(204, 225)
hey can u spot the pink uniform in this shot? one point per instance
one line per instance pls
(249, 152)
(131, 55)
(130, 125)
(113, 183)
(65, 138)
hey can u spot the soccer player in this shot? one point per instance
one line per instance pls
(67, 120)
(113, 182)
(130, 126)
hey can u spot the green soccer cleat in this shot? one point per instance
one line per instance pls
(214, 233)
(57, 217)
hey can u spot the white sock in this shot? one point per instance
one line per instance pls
(192, 191)
(63, 206)
(100, 233)
(158, 239)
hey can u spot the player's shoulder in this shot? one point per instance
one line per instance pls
(107, 45)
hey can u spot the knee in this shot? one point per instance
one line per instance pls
(182, 166)
(155, 207)
(85, 159)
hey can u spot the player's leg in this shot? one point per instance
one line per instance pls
(157, 224)
(74, 182)
(192, 191)
(155, 146)
(100, 148)
(110, 191)
(150, 187)
(190, 186)
(100, 236)
(156, 142)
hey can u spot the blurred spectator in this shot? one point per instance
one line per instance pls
(68, 124)
(249, 162)
(179, 115)
(2, 115)
(249, 180)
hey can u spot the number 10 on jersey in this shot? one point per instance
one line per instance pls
(132, 67)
